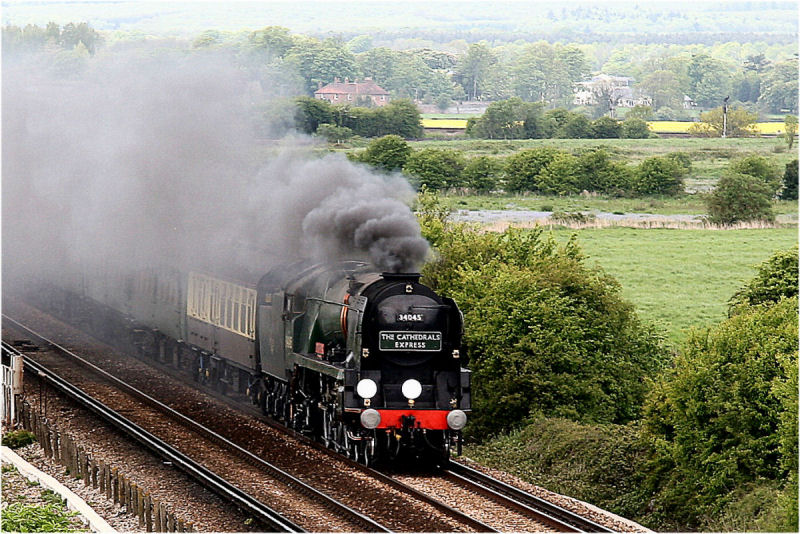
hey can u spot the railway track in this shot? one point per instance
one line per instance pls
(228, 490)
(517, 509)
(555, 516)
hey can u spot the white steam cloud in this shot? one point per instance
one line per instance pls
(149, 159)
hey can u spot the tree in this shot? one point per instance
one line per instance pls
(658, 176)
(723, 418)
(789, 191)
(311, 112)
(412, 78)
(74, 34)
(333, 133)
(709, 80)
(740, 123)
(547, 334)
(275, 41)
(577, 127)
(378, 64)
(388, 153)
(635, 128)
(524, 167)
(740, 198)
(473, 69)
(663, 88)
(320, 62)
(508, 119)
(758, 167)
(401, 117)
(606, 128)
(435, 168)
(640, 112)
(779, 88)
(481, 174)
(790, 127)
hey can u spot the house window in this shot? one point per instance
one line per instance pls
(383, 97)
(336, 97)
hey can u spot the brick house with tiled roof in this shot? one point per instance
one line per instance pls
(354, 92)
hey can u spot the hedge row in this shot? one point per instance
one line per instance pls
(543, 170)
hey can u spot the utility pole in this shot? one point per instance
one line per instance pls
(725, 116)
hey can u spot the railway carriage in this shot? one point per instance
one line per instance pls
(368, 362)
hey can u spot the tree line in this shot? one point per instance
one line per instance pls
(544, 170)
(287, 64)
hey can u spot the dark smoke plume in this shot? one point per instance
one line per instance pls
(150, 159)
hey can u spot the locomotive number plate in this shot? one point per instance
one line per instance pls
(411, 341)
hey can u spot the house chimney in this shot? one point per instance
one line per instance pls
(346, 79)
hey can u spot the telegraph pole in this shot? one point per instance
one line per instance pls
(725, 116)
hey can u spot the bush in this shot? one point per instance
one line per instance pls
(572, 217)
(481, 174)
(600, 464)
(683, 160)
(545, 333)
(577, 127)
(311, 112)
(21, 517)
(333, 133)
(724, 418)
(758, 167)
(388, 153)
(523, 168)
(18, 438)
(602, 175)
(658, 176)
(561, 176)
(635, 128)
(398, 117)
(606, 128)
(789, 191)
(776, 279)
(740, 198)
(508, 119)
(435, 168)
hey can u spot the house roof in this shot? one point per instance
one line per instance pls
(366, 87)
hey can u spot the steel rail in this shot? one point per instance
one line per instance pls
(367, 523)
(207, 478)
(556, 516)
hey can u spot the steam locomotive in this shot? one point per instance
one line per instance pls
(369, 363)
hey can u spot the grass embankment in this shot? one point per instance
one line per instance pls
(600, 464)
(710, 157)
(680, 278)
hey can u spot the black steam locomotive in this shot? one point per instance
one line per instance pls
(369, 363)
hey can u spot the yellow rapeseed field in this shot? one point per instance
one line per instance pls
(677, 127)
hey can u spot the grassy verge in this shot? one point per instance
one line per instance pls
(600, 464)
(680, 278)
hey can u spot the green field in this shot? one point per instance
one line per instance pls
(680, 278)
